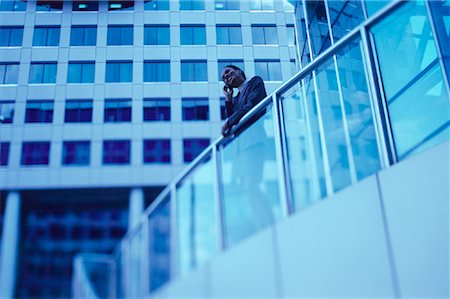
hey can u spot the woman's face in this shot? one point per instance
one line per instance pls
(232, 77)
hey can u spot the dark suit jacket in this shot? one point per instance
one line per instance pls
(251, 95)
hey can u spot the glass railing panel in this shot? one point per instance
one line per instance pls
(344, 16)
(196, 217)
(304, 154)
(332, 120)
(119, 275)
(440, 11)
(159, 244)
(358, 110)
(373, 6)
(135, 263)
(249, 180)
(415, 92)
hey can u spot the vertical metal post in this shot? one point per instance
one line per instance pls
(284, 181)
(174, 250)
(348, 142)
(378, 103)
(218, 197)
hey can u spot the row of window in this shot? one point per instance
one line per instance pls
(115, 110)
(226, 34)
(87, 5)
(115, 152)
(122, 71)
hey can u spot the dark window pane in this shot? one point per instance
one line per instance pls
(76, 153)
(6, 112)
(4, 153)
(193, 147)
(195, 109)
(116, 152)
(35, 153)
(85, 6)
(157, 109)
(157, 151)
(78, 111)
(39, 112)
(117, 111)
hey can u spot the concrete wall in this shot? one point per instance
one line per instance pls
(387, 236)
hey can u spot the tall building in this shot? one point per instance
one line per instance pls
(352, 176)
(102, 104)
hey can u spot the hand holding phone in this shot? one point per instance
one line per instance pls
(228, 92)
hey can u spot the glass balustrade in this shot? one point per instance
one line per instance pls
(379, 92)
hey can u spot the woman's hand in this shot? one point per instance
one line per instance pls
(228, 92)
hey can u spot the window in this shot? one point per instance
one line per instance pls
(193, 147)
(117, 110)
(264, 35)
(229, 34)
(157, 109)
(156, 35)
(13, 5)
(83, 36)
(116, 152)
(120, 5)
(4, 153)
(227, 5)
(78, 111)
(120, 35)
(157, 151)
(261, 5)
(6, 112)
(194, 70)
(85, 5)
(39, 112)
(42, 72)
(192, 35)
(269, 70)
(192, 5)
(195, 109)
(293, 67)
(156, 5)
(223, 63)
(290, 34)
(157, 71)
(76, 153)
(119, 71)
(46, 36)
(49, 5)
(9, 72)
(11, 36)
(35, 153)
(81, 72)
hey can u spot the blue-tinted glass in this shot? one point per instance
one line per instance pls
(11, 36)
(418, 104)
(14, 5)
(4, 153)
(268, 70)
(35, 153)
(157, 109)
(36, 73)
(9, 73)
(258, 37)
(228, 35)
(120, 35)
(81, 73)
(194, 71)
(157, 71)
(227, 5)
(85, 5)
(290, 34)
(156, 35)
(193, 147)
(88, 72)
(235, 35)
(83, 36)
(120, 5)
(192, 35)
(195, 109)
(78, 111)
(318, 26)
(373, 6)
(441, 17)
(119, 71)
(76, 153)
(39, 112)
(261, 5)
(46, 36)
(49, 5)
(117, 111)
(222, 35)
(49, 75)
(270, 35)
(187, 71)
(6, 112)
(156, 5)
(344, 16)
(157, 151)
(116, 152)
(200, 71)
(192, 5)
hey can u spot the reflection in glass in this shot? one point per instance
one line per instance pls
(159, 244)
(333, 126)
(344, 16)
(305, 158)
(250, 182)
(135, 264)
(417, 99)
(358, 111)
(197, 224)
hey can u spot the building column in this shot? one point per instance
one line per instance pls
(136, 206)
(9, 245)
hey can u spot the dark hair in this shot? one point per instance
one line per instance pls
(237, 69)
